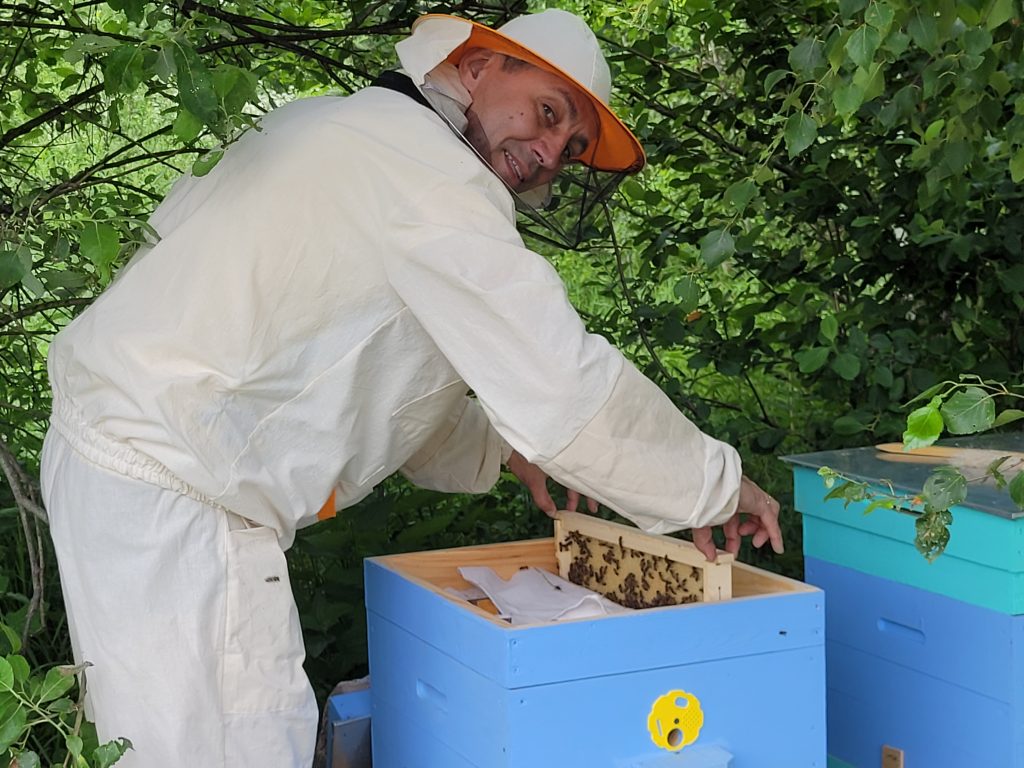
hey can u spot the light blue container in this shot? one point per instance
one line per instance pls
(923, 657)
(984, 562)
(456, 687)
(938, 678)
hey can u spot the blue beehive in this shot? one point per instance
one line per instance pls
(454, 686)
(926, 658)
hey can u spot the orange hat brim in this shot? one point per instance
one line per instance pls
(616, 149)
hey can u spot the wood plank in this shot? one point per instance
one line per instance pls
(637, 569)
(748, 581)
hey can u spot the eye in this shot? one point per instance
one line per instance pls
(549, 113)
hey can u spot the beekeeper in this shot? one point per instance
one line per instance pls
(311, 320)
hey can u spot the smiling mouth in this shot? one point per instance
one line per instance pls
(513, 164)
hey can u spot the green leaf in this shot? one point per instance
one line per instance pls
(27, 759)
(717, 246)
(848, 425)
(62, 706)
(811, 359)
(234, 87)
(20, 667)
(879, 15)
(13, 720)
(187, 126)
(105, 755)
(1008, 416)
(1017, 166)
(800, 132)
(847, 98)
(88, 45)
(740, 193)
(164, 65)
(932, 533)
(206, 162)
(133, 9)
(12, 269)
(6, 676)
(977, 40)
(56, 683)
(883, 376)
(862, 45)
(957, 155)
(999, 12)
(924, 30)
(195, 86)
(870, 80)
(934, 130)
(924, 426)
(879, 504)
(849, 8)
(100, 243)
(945, 487)
(1012, 279)
(688, 292)
(12, 637)
(829, 327)
(122, 70)
(968, 411)
(806, 56)
(1016, 490)
(74, 744)
(847, 365)
(774, 78)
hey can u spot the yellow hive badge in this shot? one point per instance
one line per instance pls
(675, 720)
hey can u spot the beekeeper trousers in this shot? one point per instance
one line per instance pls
(186, 614)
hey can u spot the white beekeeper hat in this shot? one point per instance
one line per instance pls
(554, 40)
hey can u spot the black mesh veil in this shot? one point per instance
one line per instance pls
(576, 195)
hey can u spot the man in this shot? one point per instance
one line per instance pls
(311, 320)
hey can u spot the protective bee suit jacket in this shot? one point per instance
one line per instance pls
(314, 314)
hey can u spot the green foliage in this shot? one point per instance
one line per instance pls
(828, 225)
(36, 707)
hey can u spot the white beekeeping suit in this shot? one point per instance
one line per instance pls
(311, 320)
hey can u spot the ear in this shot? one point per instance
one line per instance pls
(474, 66)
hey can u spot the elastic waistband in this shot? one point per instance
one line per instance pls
(104, 451)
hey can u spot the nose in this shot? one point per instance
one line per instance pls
(547, 148)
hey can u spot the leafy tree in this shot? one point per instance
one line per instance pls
(827, 226)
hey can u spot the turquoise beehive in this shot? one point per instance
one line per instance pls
(926, 659)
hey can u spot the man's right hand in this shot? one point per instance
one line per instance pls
(536, 481)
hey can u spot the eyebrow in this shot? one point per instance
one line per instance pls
(569, 103)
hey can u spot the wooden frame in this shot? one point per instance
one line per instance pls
(716, 578)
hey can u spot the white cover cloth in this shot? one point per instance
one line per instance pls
(188, 618)
(533, 595)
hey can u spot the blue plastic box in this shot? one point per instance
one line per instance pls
(454, 686)
(925, 658)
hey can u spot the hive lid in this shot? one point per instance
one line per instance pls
(909, 472)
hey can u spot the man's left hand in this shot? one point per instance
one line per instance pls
(757, 514)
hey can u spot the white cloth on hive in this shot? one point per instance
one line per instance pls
(534, 595)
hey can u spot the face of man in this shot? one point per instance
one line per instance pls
(526, 122)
